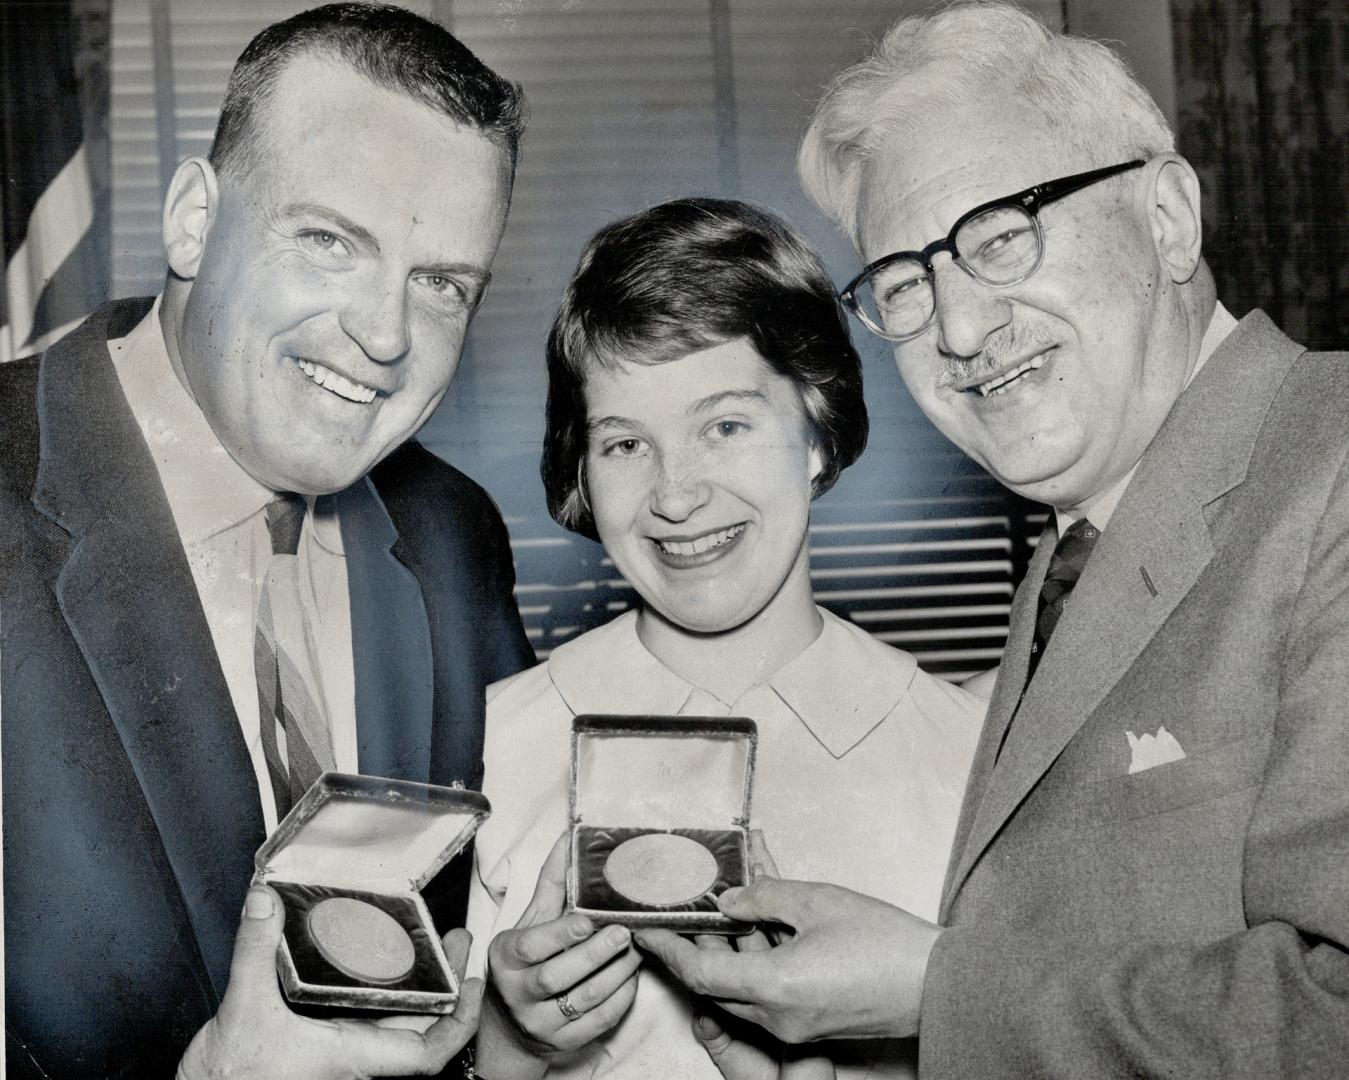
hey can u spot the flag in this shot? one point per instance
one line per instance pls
(54, 202)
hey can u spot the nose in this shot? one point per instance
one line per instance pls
(680, 487)
(376, 318)
(968, 311)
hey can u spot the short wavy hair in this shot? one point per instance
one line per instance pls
(971, 52)
(685, 276)
(395, 49)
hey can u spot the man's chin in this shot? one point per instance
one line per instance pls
(318, 478)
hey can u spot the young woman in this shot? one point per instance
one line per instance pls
(702, 392)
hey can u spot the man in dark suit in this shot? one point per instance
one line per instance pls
(324, 264)
(1149, 877)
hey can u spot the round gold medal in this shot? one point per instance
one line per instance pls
(661, 869)
(360, 940)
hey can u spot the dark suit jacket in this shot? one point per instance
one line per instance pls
(131, 811)
(1190, 920)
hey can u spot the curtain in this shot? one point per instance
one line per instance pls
(1263, 105)
(54, 204)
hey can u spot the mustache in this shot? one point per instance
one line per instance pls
(1012, 342)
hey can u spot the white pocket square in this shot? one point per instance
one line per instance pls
(1149, 751)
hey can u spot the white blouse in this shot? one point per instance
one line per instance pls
(861, 767)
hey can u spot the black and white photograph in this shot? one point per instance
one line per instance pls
(674, 539)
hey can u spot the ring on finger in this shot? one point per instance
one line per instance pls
(564, 1005)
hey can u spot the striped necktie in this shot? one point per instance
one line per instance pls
(1065, 567)
(293, 723)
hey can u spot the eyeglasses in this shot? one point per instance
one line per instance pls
(999, 243)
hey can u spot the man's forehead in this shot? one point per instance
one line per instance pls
(919, 180)
(330, 137)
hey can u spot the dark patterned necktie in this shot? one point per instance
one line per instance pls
(293, 725)
(1065, 567)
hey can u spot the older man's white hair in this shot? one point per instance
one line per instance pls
(930, 65)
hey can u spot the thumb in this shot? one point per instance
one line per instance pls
(736, 1060)
(769, 899)
(253, 966)
(550, 893)
(711, 1034)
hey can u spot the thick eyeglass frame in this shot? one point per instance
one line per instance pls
(1031, 201)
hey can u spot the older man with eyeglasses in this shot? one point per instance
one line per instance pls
(1151, 873)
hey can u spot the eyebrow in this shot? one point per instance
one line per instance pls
(713, 400)
(603, 423)
(358, 232)
(598, 424)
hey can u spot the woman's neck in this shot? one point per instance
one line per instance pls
(727, 663)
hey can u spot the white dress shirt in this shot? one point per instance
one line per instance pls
(218, 508)
(862, 762)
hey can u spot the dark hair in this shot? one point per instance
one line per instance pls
(394, 48)
(681, 277)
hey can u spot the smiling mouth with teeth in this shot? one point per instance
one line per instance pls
(337, 384)
(702, 543)
(999, 384)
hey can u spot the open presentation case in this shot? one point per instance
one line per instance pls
(659, 823)
(349, 862)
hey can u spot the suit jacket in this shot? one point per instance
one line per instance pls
(131, 810)
(1192, 919)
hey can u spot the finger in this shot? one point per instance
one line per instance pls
(712, 941)
(593, 991)
(456, 945)
(581, 962)
(761, 862)
(253, 966)
(755, 941)
(523, 948)
(815, 1067)
(550, 891)
(384, 1051)
(592, 1024)
(724, 975)
(737, 1060)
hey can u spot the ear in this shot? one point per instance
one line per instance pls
(816, 464)
(1173, 211)
(189, 210)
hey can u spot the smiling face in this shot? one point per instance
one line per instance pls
(699, 472)
(321, 299)
(1055, 385)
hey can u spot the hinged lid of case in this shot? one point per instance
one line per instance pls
(371, 832)
(662, 772)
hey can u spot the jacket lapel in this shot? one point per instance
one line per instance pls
(128, 596)
(1006, 693)
(1156, 547)
(391, 642)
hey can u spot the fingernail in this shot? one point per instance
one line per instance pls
(618, 936)
(704, 1028)
(729, 896)
(258, 904)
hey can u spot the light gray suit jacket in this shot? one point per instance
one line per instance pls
(1190, 920)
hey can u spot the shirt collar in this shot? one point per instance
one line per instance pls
(840, 687)
(1219, 326)
(206, 488)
